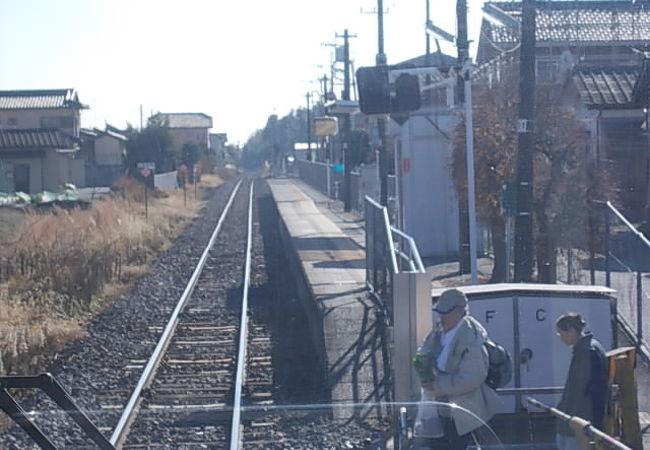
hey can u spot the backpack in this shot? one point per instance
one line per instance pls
(500, 365)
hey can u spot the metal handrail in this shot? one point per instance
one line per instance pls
(579, 423)
(412, 258)
(628, 224)
(391, 244)
(415, 259)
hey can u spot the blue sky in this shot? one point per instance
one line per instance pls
(236, 60)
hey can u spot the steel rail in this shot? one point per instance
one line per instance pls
(122, 428)
(235, 429)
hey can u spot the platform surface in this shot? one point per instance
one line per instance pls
(329, 246)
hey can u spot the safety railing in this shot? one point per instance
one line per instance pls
(610, 251)
(627, 269)
(388, 251)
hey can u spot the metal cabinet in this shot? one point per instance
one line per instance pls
(521, 317)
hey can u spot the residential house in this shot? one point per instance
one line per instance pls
(186, 128)
(39, 135)
(595, 51)
(103, 152)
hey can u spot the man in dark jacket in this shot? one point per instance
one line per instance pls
(585, 391)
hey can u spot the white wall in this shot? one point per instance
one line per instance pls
(108, 151)
(428, 196)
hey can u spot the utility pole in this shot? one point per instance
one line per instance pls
(524, 215)
(311, 157)
(323, 80)
(462, 46)
(347, 161)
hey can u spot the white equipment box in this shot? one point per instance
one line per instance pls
(521, 317)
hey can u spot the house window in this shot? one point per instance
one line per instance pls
(56, 122)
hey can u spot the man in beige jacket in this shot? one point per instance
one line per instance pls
(460, 365)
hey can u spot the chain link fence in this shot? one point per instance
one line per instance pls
(612, 252)
(627, 269)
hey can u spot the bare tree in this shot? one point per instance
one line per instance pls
(561, 181)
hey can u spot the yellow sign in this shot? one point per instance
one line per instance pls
(326, 126)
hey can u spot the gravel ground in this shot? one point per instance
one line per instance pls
(109, 358)
(121, 334)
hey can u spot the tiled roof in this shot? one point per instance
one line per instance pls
(578, 21)
(184, 120)
(606, 87)
(34, 138)
(437, 59)
(40, 99)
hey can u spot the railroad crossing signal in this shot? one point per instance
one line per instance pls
(377, 95)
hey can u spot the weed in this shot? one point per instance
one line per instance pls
(61, 265)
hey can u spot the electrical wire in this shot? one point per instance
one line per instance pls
(497, 47)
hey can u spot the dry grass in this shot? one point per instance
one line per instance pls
(10, 220)
(211, 180)
(28, 334)
(60, 266)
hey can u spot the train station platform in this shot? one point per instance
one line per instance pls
(326, 247)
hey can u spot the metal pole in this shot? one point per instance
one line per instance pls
(382, 162)
(639, 308)
(347, 163)
(146, 202)
(608, 275)
(471, 194)
(462, 47)
(524, 217)
(311, 157)
(328, 169)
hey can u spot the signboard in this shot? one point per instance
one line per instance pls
(339, 53)
(326, 126)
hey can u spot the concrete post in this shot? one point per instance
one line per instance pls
(412, 321)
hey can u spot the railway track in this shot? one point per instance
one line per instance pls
(204, 367)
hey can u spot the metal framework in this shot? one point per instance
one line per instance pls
(48, 384)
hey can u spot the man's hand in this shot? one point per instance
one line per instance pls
(424, 366)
